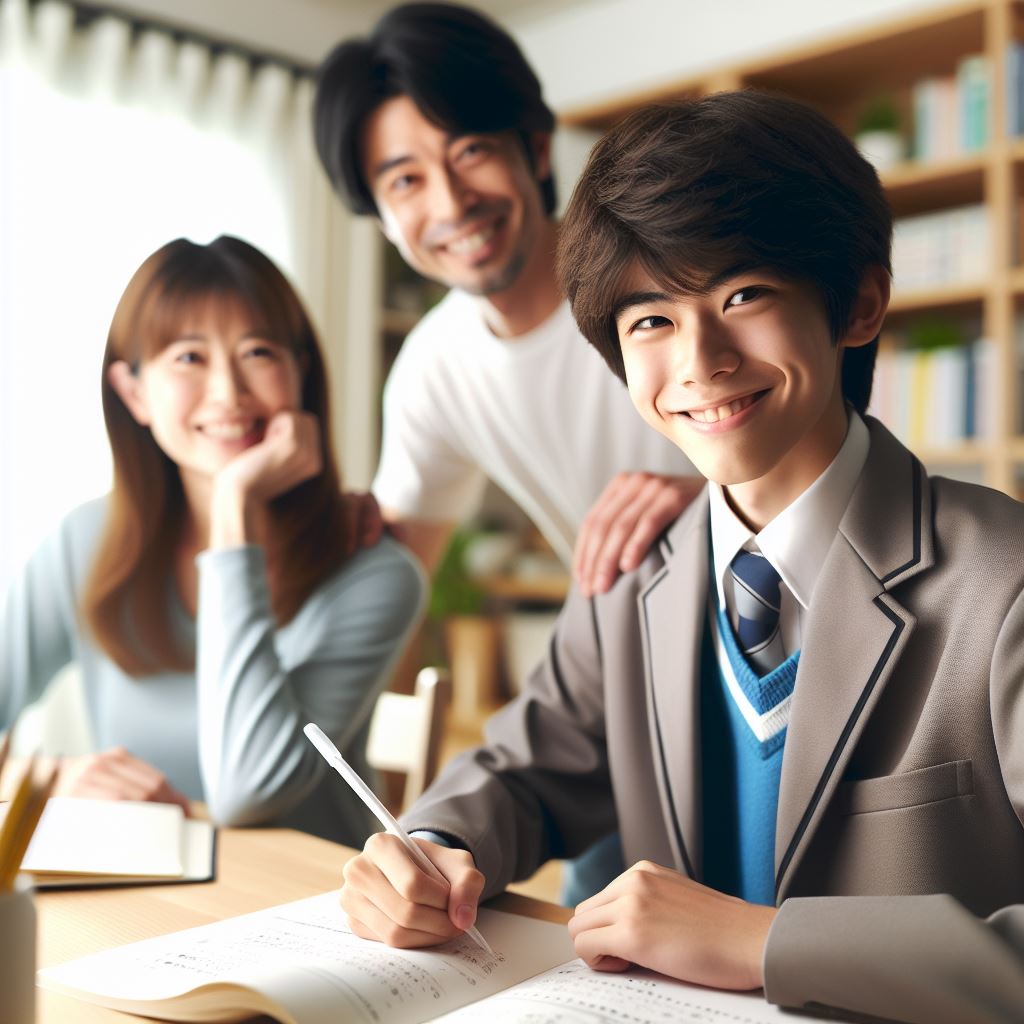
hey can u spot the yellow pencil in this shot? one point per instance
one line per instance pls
(22, 818)
(15, 811)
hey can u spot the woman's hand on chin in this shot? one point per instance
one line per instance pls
(288, 454)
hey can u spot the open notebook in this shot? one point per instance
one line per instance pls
(117, 842)
(301, 964)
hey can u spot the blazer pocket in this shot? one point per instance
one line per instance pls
(908, 789)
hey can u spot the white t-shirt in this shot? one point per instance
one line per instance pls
(541, 415)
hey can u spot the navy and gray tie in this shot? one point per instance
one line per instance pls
(758, 597)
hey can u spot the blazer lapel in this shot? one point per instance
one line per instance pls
(672, 609)
(854, 636)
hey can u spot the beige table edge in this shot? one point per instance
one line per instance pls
(256, 868)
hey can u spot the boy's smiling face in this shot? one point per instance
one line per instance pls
(744, 379)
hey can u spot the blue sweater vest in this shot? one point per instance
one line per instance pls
(741, 769)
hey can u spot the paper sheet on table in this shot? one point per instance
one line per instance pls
(301, 962)
(574, 994)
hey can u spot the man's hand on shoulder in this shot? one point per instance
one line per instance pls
(625, 521)
(390, 899)
(367, 520)
(657, 918)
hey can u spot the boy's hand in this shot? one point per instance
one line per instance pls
(390, 899)
(116, 775)
(657, 918)
(623, 524)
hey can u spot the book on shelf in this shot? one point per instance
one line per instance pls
(952, 113)
(935, 398)
(1015, 89)
(301, 964)
(941, 248)
(117, 842)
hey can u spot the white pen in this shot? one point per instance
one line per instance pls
(333, 757)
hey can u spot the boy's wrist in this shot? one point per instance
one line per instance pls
(438, 838)
(760, 928)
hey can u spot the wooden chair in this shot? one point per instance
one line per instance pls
(406, 732)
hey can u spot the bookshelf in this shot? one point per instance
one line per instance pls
(922, 64)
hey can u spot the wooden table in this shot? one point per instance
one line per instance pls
(256, 868)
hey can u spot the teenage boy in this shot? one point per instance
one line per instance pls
(806, 707)
(435, 124)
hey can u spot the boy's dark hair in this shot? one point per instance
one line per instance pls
(463, 72)
(699, 190)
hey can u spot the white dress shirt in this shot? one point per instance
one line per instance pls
(797, 541)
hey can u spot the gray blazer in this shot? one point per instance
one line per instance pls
(899, 841)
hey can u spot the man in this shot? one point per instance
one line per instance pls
(436, 125)
(805, 709)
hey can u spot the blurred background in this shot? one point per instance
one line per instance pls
(128, 123)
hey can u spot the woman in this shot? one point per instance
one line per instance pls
(209, 599)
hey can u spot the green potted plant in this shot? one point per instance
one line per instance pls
(470, 637)
(879, 134)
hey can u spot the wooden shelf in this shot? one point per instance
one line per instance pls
(914, 187)
(887, 56)
(966, 453)
(545, 589)
(1017, 280)
(399, 321)
(940, 297)
(829, 73)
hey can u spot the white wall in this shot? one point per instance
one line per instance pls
(600, 49)
(303, 30)
(584, 50)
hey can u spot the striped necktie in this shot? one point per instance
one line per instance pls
(758, 598)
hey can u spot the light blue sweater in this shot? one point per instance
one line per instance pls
(741, 772)
(229, 733)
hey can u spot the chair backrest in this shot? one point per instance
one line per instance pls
(406, 731)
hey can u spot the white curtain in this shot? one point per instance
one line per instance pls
(112, 142)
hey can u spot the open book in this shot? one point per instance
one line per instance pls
(301, 964)
(117, 842)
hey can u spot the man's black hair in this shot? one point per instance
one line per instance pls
(463, 72)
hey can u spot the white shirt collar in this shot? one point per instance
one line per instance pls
(798, 539)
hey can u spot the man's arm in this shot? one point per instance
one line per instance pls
(426, 539)
(625, 521)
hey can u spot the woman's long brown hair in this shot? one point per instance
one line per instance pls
(128, 596)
